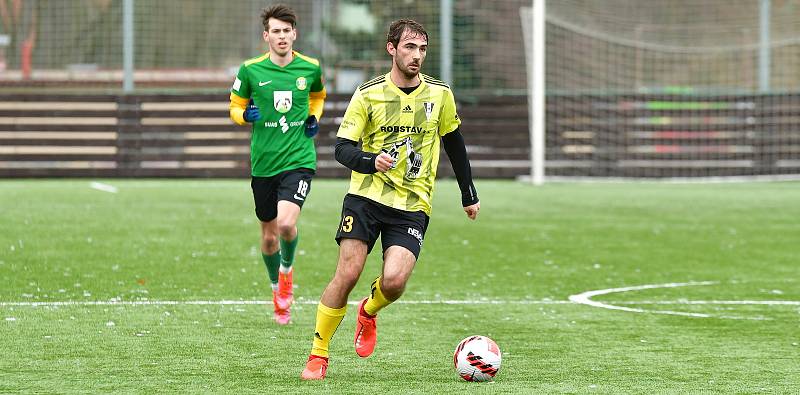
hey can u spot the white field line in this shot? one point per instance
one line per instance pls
(714, 302)
(259, 302)
(79, 303)
(103, 187)
(585, 299)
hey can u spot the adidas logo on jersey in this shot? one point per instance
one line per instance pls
(407, 109)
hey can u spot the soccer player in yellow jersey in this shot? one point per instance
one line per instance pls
(281, 94)
(401, 118)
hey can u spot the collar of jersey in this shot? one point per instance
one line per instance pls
(400, 92)
(294, 57)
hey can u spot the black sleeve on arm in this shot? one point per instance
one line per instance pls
(453, 143)
(348, 154)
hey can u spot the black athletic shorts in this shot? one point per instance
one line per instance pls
(364, 219)
(291, 185)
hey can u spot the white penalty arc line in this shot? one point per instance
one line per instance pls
(585, 298)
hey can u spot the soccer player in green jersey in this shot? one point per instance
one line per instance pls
(281, 93)
(401, 118)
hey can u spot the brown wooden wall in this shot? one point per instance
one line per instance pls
(672, 135)
(160, 135)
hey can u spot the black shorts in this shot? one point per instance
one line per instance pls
(364, 219)
(291, 185)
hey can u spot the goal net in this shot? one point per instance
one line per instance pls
(674, 88)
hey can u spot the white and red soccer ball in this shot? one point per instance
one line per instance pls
(477, 358)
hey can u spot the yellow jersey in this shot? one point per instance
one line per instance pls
(409, 128)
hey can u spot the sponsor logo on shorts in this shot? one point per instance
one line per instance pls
(417, 234)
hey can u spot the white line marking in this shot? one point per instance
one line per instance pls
(255, 302)
(585, 298)
(716, 302)
(103, 187)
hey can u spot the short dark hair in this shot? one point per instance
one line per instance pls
(281, 12)
(399, 26)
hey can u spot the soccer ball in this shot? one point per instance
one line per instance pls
(477, 358)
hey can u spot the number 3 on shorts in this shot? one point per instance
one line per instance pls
(347, 224)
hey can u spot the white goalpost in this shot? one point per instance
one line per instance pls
(536, 93)
(533, 26)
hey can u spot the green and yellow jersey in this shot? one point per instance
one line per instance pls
(285, 97)
(407, 127)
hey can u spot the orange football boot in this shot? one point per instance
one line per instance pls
(316, 367)
(366, 332)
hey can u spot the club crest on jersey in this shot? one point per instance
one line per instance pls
(413, 158)
(301, 83)
(428, 109)
(282, 101)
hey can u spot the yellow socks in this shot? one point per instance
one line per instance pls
(376, 299)
(328, 321)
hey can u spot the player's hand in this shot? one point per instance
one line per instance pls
(251, 113)
(312, 126)
(383, 162)
(472, 211)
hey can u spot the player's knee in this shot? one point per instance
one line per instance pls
(347, 278)
(269, 242)
(286, 229)
(393, 287)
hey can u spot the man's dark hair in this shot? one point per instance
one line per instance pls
(399, 26)
(280, 12)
